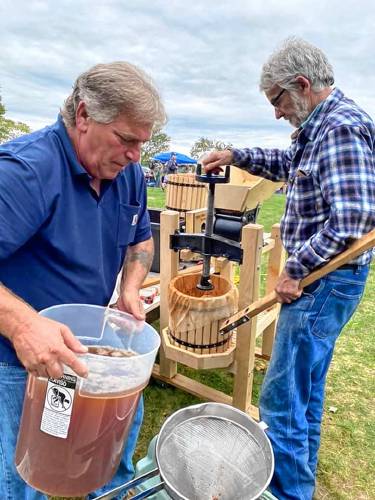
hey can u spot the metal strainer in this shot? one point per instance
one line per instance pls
(209, 451)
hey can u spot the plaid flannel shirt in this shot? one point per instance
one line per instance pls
(330, 172)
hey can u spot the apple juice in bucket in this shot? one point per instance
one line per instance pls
(73, 430)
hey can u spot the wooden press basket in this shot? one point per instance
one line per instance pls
(194, 315)
(184, 193)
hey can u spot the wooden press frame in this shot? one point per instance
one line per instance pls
(264, 324)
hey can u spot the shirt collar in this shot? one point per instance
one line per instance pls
(77, 168)
(312, 114)
(311, 125)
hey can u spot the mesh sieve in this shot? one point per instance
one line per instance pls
(214, 458)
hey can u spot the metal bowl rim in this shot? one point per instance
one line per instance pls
(213, 409)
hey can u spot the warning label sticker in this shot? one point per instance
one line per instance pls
(58, 405)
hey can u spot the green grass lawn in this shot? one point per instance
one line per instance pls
(347, 455)
(155, 198)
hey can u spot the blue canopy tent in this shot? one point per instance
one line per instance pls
(181, 159)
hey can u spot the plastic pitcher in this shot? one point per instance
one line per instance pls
(73, 430)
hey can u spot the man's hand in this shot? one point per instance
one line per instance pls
(215, 160)
(43, 345)
(287, 289)
(130, 302)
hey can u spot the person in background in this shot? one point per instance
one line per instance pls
(156, 167)
(171, 165)
(329, 169)
(163, 182)
(152, 180)
(72, 214)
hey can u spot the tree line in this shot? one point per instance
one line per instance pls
(10, 129)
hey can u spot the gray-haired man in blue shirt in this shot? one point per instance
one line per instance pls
(329, 169)
(72, 212)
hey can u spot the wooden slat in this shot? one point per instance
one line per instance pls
(151, 281)
(194, 200)
(224, 267)
(206, 337)
(199, 339)
(270, 245)
(191, 182)
(200, 390)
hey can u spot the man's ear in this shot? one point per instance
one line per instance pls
(82, 118)
(304, 84)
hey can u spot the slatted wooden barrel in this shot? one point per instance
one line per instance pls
(194, 315)
(185, 193)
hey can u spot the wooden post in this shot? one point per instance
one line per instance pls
(169, 221)
(252, 242)
(189, 222)
(225, 268)
(275, 266)
(194, 220)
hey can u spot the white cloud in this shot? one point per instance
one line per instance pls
(205, 57)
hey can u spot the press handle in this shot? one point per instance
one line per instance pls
(357, 248)
(211, 178)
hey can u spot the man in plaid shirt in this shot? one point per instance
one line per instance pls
(330, 175)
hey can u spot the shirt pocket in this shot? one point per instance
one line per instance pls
(127, 223)
(303, 195)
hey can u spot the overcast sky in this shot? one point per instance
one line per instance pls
(204, 55)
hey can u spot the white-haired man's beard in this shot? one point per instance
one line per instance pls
(301, 110)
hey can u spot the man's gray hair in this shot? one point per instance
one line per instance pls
(296, 57)
(111, 89)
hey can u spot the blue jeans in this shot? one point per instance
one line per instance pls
(12, 487)
(292, 395)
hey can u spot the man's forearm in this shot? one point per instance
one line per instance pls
(272, 164)
(41, 344)
(137, 265)
(14, 313)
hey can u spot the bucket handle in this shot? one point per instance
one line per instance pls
(123, 488)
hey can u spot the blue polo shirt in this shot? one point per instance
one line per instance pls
(60, 242)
